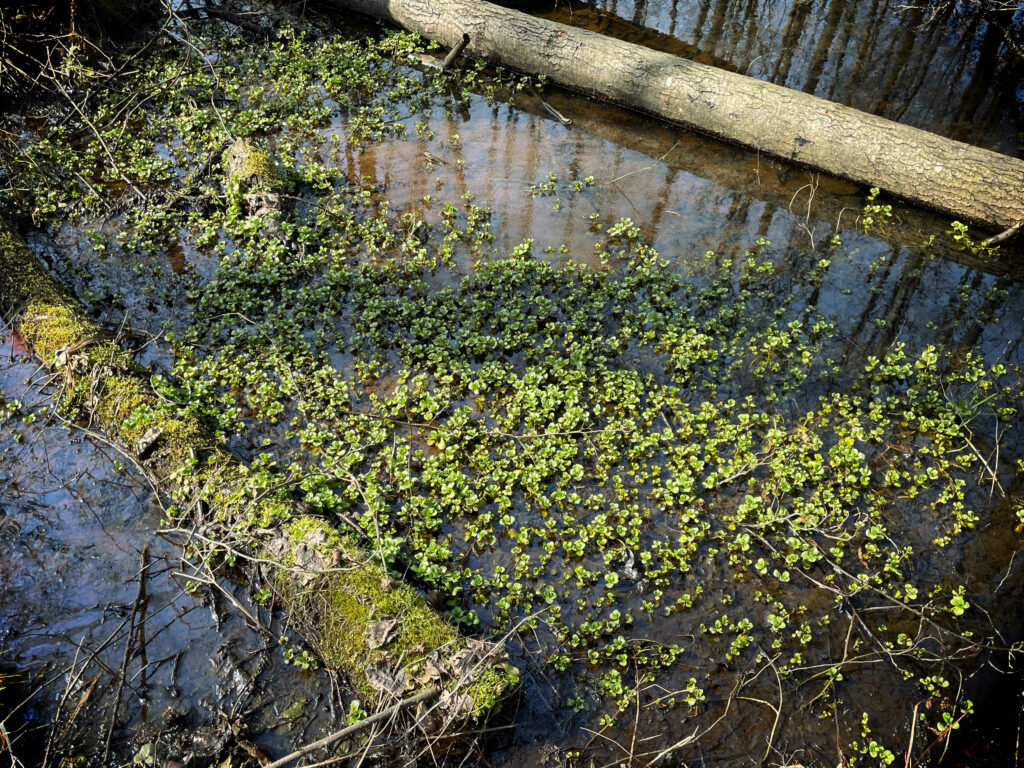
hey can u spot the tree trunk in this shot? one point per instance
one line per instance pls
(957, 179)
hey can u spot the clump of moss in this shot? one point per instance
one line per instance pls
(49, 327)
(492, 687)
(50, 318)
(250, 166)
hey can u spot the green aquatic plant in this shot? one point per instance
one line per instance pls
(673, 484)
(520, 463)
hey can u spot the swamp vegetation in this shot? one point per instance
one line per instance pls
(705, 523)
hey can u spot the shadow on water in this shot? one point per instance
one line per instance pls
(74, 521)
(76, 526)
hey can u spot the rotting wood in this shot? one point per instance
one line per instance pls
(453, 54)
(960, 180)
(103, 382)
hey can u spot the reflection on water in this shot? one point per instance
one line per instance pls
(72, 527)
(688, 194)
(954, 76)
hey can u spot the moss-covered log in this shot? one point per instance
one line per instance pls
(952, 177)
(377, 630)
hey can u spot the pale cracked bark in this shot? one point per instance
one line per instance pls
(963, 181)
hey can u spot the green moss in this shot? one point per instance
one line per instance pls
(340, 606)
(21, 275)
(250, 165)
(306, 528)
(122, 398)
(50, 318)
(127, 409)
(102, 378)
(48, 327)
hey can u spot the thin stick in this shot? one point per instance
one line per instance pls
(139, 597)
(913, 729)
(565, 121)
(356, 727)
(646, 167)
(453, 54)
(1004, 235)
(211, 581)
(75, 679)
(102, 142)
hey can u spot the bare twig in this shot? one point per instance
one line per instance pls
(211, 581)
(805, 224)
(913, 728)
(139, 597)
(384, 714)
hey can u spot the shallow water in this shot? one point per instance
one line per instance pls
(688, 194)
(73, 523)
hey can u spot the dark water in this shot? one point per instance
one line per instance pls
(73, 524)
(75, 527)
(952, 74)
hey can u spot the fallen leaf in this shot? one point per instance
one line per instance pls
(380, 633)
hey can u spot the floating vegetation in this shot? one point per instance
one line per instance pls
(631, 468)
(670, 487)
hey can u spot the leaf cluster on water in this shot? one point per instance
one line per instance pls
(661, 479)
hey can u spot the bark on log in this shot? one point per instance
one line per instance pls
(958, 179)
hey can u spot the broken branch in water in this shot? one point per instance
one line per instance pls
(453, 54)
(384, 714)
(1005, 235)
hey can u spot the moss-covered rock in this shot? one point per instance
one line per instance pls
(253, 180)
(251, 167)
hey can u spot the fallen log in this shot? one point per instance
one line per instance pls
(960, 180)
(322, 577)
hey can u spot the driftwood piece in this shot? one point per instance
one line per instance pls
(453, 54)
(960, 180)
